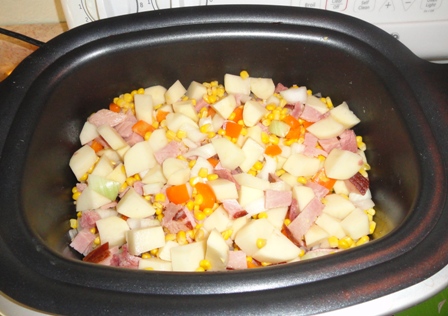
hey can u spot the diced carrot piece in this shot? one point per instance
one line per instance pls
(178, 194)
(321, 178)
(273, 150)
(96, 146)
(161, 115)
(252, 264)
(114, 108)
(141, 128)
(233, 129)
(213, 161)
(207, 193)
(211, 111)
(295, 130)
(238, 114)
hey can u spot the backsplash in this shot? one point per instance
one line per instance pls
(30, 11)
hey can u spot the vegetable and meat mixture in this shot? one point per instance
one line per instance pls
(213, 177)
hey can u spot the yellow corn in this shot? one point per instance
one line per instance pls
(265, 264)
(372, 226)
(261, 242)
(212, 176)
(84, 177)
(258, 165)
(265, 137)
(76, 195)
(194, 180)
(208, 211)
(263, 215)
(170, 237)
(204, 128)
(191, 163)
(203, 172)
(302, 180)
(211, 134)
(147, 135)
(181, 134)
(146, 255)
(154, 251)
(73, 223)
(171, 135)
(226, 234)
(199, 215)
(205, 264)
(181, 238)
(329, 103)
(200, 269)
(97, 241)
(362, 240)
(266, 122)
(160, 197)
(274, 139)
(345, 243)
(333, 241)
(244, 74)
(287, 221)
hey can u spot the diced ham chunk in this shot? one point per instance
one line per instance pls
(125, 259)
(297, 109)
(232, 207)
(83, 241)
(177, 218)
(226, 174)
(274, 198)
(310, 114)
(329, 144)
(293, 210)
(310, 143)
(88, 219)
(348, 141)
(357, 184)
(300, 225)
(280, 87)
(171, 150)
(108, 117)
(319, 190)
(237, 260)
(124, 128)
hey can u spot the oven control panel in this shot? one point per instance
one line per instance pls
(422, 25)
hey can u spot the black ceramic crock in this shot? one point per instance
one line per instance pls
(401, 100)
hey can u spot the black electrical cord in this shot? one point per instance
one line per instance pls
(22, 37)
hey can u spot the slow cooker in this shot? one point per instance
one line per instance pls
(401, 100)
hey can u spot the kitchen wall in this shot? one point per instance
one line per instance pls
(30, 11)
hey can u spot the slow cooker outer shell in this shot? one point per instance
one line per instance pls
(414, 248)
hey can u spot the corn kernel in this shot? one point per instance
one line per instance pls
(171, 135)
(265, 264)
(370, 211)
(198, 199)
(212, 176)
(372, 226)
(200, 269)
(181, 238)
(159, 217)
(261, 242)
(329, 103)
(190, 205)
(74, 189)
(194, 180)
(199, 215)
(309, 92)
(263, 215)
(221, 132)
(199, 235)
(170, 237)
(249, 259)
(302, 252)
(211, 134)
(361, 241)
(287, 221)
(76, 195)
(154, 251)
(97, 241)
(191, 163)
(207, 211)
(244, 74)
(79, 214)
(227, 234)
(73, 223)
(302, 180)
(274, 139)
(181, 134)
(345, 242)
(160, 197)
(258, 165)
(147, 135)
(155, 124)
(130, 181)
(252, 173)
(84, 177)
(270, 107)
(146, 255)
(205, 264)
(333, 241)
(264, 137)
(93, 230)
(128, 97)
(203, 172)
